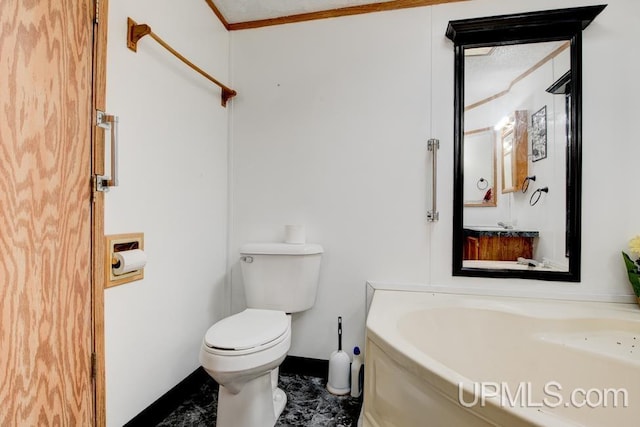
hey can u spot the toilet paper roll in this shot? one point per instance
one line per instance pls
(128, 261)
(294, 234)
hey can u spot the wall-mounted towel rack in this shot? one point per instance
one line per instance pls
(136, 31)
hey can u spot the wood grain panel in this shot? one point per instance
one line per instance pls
(498, 248)
(97, 220)
(45, 234)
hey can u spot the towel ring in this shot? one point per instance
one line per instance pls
(525, 183)
(537, 194)
(482, 184)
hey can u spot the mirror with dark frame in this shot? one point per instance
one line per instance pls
(517, 134)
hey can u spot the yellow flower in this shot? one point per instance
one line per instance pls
(634, 246)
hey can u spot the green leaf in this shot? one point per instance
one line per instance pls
(632, 272)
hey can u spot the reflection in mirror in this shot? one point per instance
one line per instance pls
(506, 68)
(480, 168)
(514, 151)
(528, 236)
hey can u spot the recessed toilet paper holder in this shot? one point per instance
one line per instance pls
(124, 243)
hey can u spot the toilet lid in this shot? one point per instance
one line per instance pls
(248, 329)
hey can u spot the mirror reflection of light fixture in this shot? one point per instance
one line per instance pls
(502, 123)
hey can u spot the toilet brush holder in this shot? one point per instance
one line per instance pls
(339, 368)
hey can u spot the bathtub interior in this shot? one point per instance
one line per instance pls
(445, 340)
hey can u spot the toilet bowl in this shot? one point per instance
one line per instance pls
(242, 353)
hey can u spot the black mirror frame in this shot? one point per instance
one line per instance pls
(542, 26)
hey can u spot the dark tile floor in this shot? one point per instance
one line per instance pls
(309, 404)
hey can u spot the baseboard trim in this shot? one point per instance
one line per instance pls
(305, 366)
(168, 402)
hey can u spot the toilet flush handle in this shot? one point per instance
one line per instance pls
(247, 259)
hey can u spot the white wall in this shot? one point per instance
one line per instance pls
(330, 130)
(332, 134)
(173, 173)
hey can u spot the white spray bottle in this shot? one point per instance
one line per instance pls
(357, 373)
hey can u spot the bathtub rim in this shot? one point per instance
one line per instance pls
(567, 291)
(445, 380)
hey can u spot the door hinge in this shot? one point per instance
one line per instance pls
(94, 367)
(100, 183)
(96, 11)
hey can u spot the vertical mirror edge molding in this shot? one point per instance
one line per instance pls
(458, 155)
(574, 163)
(540, 26)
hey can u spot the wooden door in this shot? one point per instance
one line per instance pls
(45, 213)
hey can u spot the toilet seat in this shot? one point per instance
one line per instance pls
(250, 331)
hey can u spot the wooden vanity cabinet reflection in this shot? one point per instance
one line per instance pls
(514, 152)
(498, 248)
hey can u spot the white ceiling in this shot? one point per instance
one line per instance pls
(235, 11)
(488, 75)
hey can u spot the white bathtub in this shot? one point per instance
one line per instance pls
(541, 362)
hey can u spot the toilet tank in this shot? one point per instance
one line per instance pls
(280, 276)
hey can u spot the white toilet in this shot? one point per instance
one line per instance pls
(242, 352)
